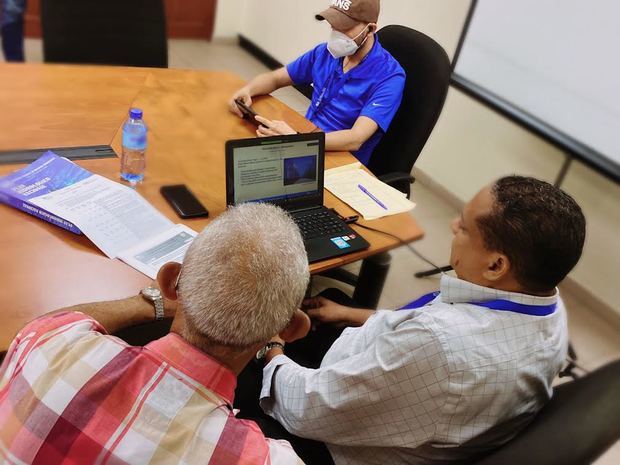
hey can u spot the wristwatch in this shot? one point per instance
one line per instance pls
(261, 353)
(153, 295)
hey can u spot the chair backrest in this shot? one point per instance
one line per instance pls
(581, 421)
(428, 77)
(110, 32)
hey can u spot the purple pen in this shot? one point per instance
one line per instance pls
(365, 191)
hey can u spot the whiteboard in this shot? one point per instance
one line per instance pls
(557, 61)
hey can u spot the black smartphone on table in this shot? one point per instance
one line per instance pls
(248, 112)
(184, 201)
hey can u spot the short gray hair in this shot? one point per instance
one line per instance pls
(244, 276)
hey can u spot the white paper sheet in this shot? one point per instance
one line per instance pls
(170, 246)
(113, 216)
(344, 183)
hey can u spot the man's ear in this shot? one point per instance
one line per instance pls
(167, 279)
(298, 327)
(498, 268)
(372, 27)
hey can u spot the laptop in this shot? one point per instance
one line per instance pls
(288, 171)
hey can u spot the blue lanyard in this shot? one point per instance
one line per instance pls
(330, 90)
(421, 302)
(499, 304)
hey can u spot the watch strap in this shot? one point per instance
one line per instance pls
(159, 308)
(270, 345)
(273, 344)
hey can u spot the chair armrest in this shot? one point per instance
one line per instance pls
(400, 181)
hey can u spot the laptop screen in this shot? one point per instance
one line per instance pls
(283, 170)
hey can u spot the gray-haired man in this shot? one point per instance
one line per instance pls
(69, 392)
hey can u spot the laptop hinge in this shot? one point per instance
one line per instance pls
(300, 210)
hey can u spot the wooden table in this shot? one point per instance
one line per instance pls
(44, 267)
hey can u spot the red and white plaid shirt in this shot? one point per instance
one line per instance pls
(71, 394)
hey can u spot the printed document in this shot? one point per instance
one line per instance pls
(374, 201)
(169, 246)
(115, 217)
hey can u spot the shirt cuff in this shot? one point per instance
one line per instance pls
(266, 401)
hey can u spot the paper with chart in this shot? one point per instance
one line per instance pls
(345, 181)
(169, 246)
(115, 217)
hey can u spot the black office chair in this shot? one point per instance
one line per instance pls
(106, 32)
(428, 71)
(579, 424)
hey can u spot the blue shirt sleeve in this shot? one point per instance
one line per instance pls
(385, 101)
(300, 70)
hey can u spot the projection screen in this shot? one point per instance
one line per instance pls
(552, 66)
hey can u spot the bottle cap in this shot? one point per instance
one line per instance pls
(135, 113)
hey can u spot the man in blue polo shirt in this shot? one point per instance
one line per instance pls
(358, 85)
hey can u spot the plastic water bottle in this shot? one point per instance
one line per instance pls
(133, 160)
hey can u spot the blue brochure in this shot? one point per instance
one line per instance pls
(47, 174)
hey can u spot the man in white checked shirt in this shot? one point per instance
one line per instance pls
(458, 372)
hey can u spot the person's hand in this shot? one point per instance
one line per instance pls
(277, 339)
(273, 128)
(242, 94)
(323, 310)
(298, 327)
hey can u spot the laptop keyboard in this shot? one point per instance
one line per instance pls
(319, 224)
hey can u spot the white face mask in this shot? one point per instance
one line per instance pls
(341, 45)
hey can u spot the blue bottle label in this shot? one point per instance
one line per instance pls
(134, 141)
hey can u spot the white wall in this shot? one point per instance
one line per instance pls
(287, 28)
(228, 15)
(471, 145)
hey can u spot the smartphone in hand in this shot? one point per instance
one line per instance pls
(248, 112)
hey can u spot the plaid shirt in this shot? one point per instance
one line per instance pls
(69, 393)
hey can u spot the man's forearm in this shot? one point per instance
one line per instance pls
(117, 314)
(358, 316)
(351, 139)
(263, 84)
(345, 140)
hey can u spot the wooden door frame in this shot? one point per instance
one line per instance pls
(32, 23)
(32, 19)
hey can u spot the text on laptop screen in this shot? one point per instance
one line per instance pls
(276, 172)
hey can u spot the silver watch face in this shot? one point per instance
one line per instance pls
(261, 353)
(151, 293)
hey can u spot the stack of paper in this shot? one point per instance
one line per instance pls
(115, 217)
(364, 193)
